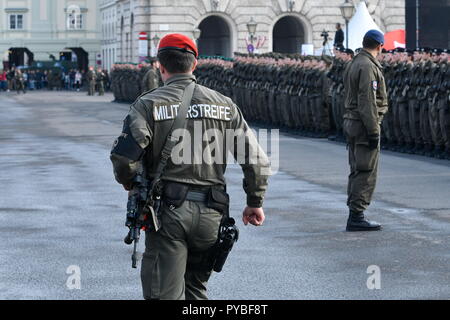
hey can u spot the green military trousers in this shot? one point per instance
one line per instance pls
(170, 262)
(444, 119)
(101, 88)
(91, 90)
(363, 166)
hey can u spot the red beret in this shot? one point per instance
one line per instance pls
(176, 41)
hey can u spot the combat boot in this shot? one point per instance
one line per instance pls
(357, 222)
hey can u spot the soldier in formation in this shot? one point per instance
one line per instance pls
(291, 91)
(419, 94)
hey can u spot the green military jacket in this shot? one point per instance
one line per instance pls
(151, 80)
(366, 97)
(91, 75)
(150, 119)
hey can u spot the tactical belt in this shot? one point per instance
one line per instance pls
(197, 196)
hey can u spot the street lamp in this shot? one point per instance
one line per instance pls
(251, 27)
(347, 10)
(155, 40)
(197, 34)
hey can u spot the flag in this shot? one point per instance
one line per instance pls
(395, 39)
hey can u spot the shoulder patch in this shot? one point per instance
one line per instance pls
(375, 85)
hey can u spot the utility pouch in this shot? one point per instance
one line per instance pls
(175, 194)
(218, 200)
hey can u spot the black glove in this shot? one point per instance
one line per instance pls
(374, 142)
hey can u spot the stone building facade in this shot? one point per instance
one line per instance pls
(49, 29)
(282, 25)
(108, 14)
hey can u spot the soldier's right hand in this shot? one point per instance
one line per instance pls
(254, 216)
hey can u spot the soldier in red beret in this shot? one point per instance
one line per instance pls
(191, 204)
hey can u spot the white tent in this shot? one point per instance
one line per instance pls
(358, 26)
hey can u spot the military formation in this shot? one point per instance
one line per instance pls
(306, 94)
(129, 81)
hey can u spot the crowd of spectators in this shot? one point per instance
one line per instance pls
(51, 79)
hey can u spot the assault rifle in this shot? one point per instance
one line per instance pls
(140, 207)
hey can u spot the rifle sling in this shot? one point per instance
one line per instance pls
(173, 137)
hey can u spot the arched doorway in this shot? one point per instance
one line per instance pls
(20, 57)
(288, 35)
(215, 39)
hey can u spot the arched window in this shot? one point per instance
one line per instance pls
(215, 39)
(288, 35)
(74, 19)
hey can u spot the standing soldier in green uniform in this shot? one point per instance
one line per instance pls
(413, 102)
(321, 97)
(423, 93)
(10, 78)
(444, 101)
(366, 104)
(190, 192)
(100, 79)
(152, 77)
(333, 76)
(91, 78)
(433, 102)
(403, 103)
(19, 82)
